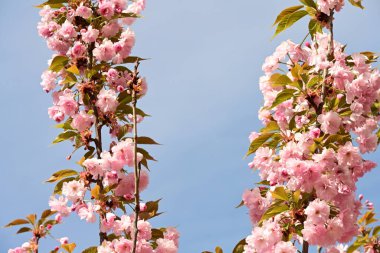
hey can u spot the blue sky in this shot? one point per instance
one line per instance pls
(203, 76)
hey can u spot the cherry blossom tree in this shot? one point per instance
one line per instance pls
(320, 115)
(96, 85)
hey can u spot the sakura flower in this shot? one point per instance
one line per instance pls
(166, 246)
(107, 101)
(330, 122)
(74, 190)
(87, 213)
(82, 121)
(83, 11)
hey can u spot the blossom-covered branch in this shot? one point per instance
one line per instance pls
(94, 93)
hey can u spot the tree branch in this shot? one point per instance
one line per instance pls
(137, 167)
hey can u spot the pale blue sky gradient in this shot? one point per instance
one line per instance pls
(206, 59)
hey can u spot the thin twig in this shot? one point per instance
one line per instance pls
(137, 168)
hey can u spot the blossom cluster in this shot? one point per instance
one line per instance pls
(326, 101)
(92, 89)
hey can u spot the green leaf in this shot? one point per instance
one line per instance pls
(16, 223)
(70, 79)
(354, 247)
(283, 96)
(53, 3)
(73, 69)
(66, 125)
(357, 3)
(279, 80)
(258, 142)
(158, 233)
(58, 187)
(276, 208)
(123, 130)
(337, 138)
(24, 230)
(146, 140)
(376, 230)
(314, 27)
(289, 20)
(127, 15)
(133, 59)
(58, 63)
(312, 11)
(91, 250)
(309, 3)
(313, 81)
(280, 193)
(146, 154)
(272, 126)
(124, 97)
(239, 248)
(151, 210)
(64, 136)
(61, 174)
(286, 12)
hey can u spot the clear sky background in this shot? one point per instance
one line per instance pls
(206, 59)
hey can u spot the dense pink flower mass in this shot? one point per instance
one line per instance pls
(320, 115)
(93, 88)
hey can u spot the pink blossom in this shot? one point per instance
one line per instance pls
(367, 143)
(123, 151)
(111, 29)
(330, 122)
(67, 103)
(172, 234)
(348, 155)
(166, 246)
(135, 7)
(82, 121)
(256, 204)
(56, 113)
(67, 30)
(90, 35)
(104, 51)
(47, 29)
(122, 225)
(107, 223)
(59, 205)
(263, 158)
(106, 9)
(106, 247)
(145, 230)
(119, 5)
(18, 250)
(285, 247)
(78, 50)
(64, 240)
(264, 239)
(318, 211)
(107, 101)
(123, 245)
(96, 167)
(73, 190)
(83, 11)
(48, 80)
(87, 212)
